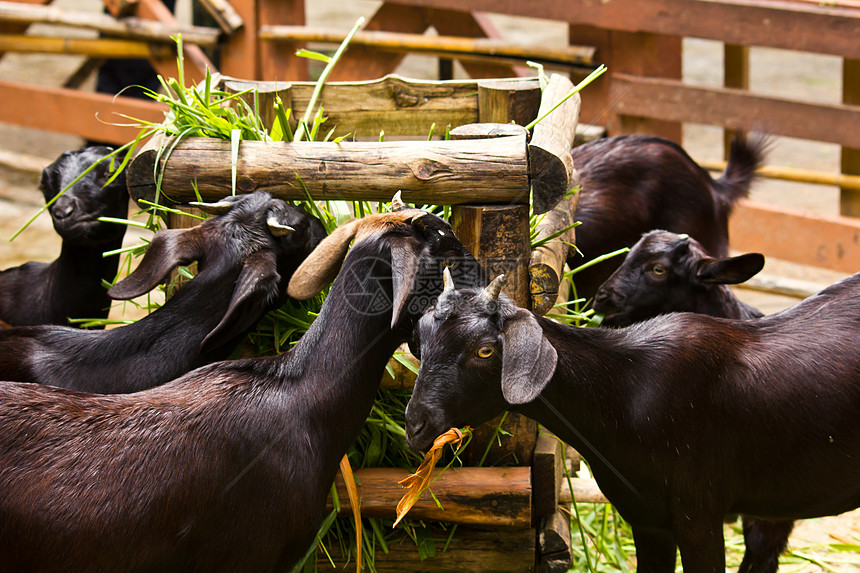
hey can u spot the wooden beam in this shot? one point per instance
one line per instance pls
(808, 27)
(817, 240)
(672, 100)
(88, 115)
(102, 48)
(451, 46)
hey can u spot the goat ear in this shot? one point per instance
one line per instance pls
(169, 249)
(730, 270)
(323, 264)
(528, 359)
(256, 288)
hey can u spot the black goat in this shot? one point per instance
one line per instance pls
(228, 467)
(632, 184)
(71, 286)
(663, 273)
(666, 272)
(684, 418)
(245, 258)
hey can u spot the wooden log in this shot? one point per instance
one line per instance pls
(546, 267)
(103, 48)
(584, 491)
(550, 163)
(224, 15)
(132, 28)
(489, 497)
(470, 551)
(450, 46)
(547, 472)
(435, 172)
(554, 552)
(393, 104)
(508, 101)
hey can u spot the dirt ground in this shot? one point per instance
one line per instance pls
(788, 74)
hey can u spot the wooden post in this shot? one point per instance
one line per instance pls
(849, 199)
(554, 552)
(736, 70)
(498, 236)
(634, 53)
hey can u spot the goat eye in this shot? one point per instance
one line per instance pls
(484, 352)
(658, 270)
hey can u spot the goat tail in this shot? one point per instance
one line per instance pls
(746, 155)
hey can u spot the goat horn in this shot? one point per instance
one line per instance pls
(416, 219)
(218, 208)
(397, 202)
(277, 229)
(492, 290)
(447, 280)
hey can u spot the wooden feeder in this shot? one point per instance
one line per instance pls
(510, 515)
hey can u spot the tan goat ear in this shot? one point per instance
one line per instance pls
(528, 359)
(169, 249)
(322, 265)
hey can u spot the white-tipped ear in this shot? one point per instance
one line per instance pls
(528, 359)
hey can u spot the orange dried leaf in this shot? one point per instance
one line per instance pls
(416, 483)
(354, 502)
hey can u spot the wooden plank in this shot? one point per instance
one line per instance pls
(817, 240)
(585, 490)
(490, 497)
(89, 115)
(435, 172)
(734, 109)
(393, 104)
(224, 15)
(470, 551)
(805, 27)
(135, 28)
(240, 52)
